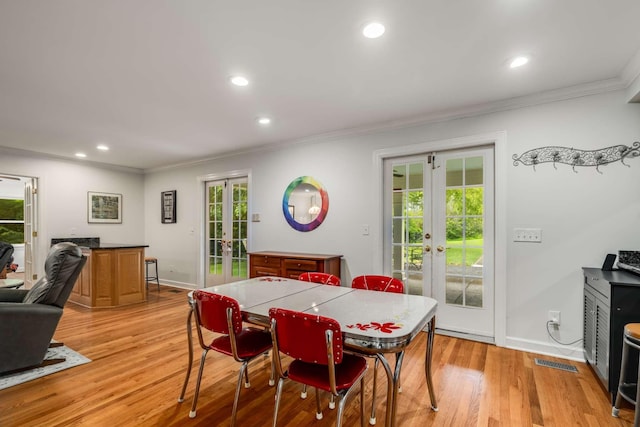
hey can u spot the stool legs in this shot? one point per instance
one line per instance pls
(148, 278)
(626, 388)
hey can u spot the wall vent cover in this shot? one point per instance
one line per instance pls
(556, 365)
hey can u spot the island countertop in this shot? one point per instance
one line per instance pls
(94, 243)
(113, 246)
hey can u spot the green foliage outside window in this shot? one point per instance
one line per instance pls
(12, 221)
(456, 210)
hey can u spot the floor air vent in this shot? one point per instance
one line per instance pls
(556, 365)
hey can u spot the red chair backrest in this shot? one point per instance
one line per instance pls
(378, 283)
(302, 336)
(324, 278)
(212, 312)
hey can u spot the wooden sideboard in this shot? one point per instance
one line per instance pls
(113, 276)
(292, 264)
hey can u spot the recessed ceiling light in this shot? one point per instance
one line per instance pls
(264, 120)
(518, 61)
(239, 81)
(373, 30)
(81, 155)
(102, 147)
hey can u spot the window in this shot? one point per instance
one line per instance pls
(12, 221)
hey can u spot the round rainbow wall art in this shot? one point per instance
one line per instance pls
(324, 206)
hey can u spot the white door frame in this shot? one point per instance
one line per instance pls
(201, 200)
(499, 141)
(31, 233)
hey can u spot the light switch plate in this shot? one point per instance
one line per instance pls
(533, 235)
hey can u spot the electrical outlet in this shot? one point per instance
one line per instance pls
(554, 317)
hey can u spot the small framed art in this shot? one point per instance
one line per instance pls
(104, 208)
(168, 199)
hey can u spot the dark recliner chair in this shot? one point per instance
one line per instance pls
(28, 318)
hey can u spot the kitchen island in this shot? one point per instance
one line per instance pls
(113, 275)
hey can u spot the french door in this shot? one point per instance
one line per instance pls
(226, 231)
(439, 234)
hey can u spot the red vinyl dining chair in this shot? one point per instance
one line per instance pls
(380, 284)
(221, 315)
(324, 278)
(373, 282)
(315, 345)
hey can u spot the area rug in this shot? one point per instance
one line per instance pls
(73, 358)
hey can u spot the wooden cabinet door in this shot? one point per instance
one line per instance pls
(130, 276)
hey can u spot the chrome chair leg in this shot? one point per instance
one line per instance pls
(190, 365)
(192, 413)
(247, 383)
(318, 408)
(427, 363)
(372, 417)
(272, 376)
(362, 402)
(243, 373)
(277, 404)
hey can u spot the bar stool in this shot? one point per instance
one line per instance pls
(628, 390)
(147, 261)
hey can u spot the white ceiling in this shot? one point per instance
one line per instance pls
(150, 78)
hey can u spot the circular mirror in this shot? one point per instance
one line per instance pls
(305, 204)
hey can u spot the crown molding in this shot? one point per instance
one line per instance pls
(562, 94)
(47, 156)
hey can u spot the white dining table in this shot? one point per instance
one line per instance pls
(374, 323)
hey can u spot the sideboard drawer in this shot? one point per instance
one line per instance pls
(300, 265)
(266, 261)
(261, 270)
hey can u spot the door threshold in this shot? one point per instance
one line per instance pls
(466, 336)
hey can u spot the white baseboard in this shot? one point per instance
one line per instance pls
(548, 349)
(176, 284)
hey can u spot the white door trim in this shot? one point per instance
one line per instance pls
(201, 182)
(502, 159)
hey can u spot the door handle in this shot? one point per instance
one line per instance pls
(427, 248)
(440, 248)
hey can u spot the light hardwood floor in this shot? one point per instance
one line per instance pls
(139, 357)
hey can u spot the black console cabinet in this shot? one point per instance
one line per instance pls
(611, 300)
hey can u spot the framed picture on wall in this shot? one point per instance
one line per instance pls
(104, 208)
(168, 200)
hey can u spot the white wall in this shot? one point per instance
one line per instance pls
(583, 215)
(62, 199)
